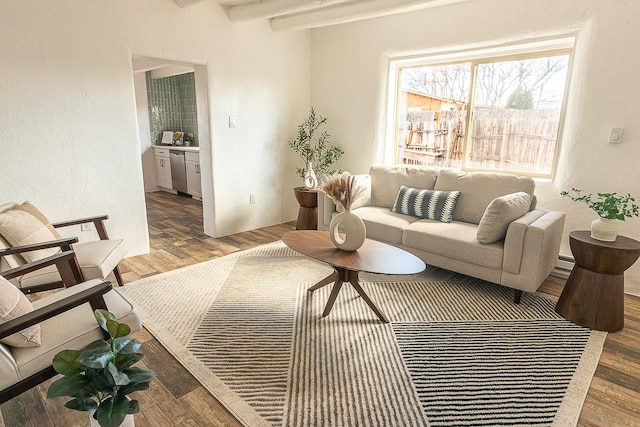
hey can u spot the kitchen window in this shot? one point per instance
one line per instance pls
(492, 110)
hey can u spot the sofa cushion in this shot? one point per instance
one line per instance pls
(387, 180)
(19, 226)
(455, 240)
(426, 204)
(478, 189)
(501, 212)
(384, 225)
(14, 304)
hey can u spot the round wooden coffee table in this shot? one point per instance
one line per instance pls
(372, 257)
(594, 293)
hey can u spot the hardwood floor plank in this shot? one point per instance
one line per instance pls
(205, 409)
(173, 375)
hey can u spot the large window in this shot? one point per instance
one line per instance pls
(495, 111)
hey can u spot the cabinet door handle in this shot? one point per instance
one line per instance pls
(197, 168)
(161, 162)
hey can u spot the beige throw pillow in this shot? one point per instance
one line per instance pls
(13, 304)
(24, 225)
(501, 212)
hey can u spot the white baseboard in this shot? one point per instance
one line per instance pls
(563, 267)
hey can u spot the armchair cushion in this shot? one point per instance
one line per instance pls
(73, 329)
(13, 304)
(99, 257)
(23, 225)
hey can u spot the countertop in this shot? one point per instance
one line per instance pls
(178, 148)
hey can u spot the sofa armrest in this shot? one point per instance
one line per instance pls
(326, 209)
(531, 248)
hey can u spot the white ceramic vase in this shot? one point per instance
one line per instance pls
(347, 231)
(605, 229)
(310, 179)
(128, 421)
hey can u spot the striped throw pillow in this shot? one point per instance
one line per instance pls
(429, 204)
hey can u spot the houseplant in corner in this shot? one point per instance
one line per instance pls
(100, 376)
(611, 209)
(315, 150)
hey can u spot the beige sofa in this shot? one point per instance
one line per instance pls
(495, 234)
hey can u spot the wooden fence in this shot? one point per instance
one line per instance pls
(502, 139)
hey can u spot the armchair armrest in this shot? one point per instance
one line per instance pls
(92, 295)
(98, 221)
(66, 263)
(64, 244)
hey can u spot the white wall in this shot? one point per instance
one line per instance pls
(68, 117)
(349, 78)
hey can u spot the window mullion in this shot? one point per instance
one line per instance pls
(470, 107)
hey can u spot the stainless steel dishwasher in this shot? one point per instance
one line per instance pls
(178, 171)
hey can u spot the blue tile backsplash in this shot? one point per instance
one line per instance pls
(172, 106)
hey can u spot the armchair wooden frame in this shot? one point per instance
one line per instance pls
(64, 261)
(98, 222)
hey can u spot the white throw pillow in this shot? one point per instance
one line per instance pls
(501, 212)
(13, 304)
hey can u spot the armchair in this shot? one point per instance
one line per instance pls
(26, 235)
(65, 319)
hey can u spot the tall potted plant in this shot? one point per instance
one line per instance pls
(100, 376)
(611, 209)
(314, 148)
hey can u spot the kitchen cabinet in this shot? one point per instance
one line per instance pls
(194, 185)
(163, 168)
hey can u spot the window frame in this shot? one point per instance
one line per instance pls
(476, 57)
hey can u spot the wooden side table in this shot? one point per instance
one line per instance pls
(594, 293)
(308, 211)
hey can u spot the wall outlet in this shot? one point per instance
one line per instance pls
(232, 121)
(615, 137)
(252, 199)
(85, 227)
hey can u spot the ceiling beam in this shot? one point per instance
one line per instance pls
(353, 11)
(187, 3)
(270, 8)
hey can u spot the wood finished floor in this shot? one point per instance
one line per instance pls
(177, 399)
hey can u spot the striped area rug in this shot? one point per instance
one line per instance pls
(457, 352)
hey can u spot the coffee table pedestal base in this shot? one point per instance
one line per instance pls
(338, 277)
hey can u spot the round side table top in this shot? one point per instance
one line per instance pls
(603, 257)
(372, 257)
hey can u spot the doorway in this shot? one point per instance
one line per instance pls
(186, 84)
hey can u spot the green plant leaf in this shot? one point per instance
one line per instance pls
(74, 386)
(120, 378)
(126, 345)
(112, 411)
(123, 361)
(130, 388)
(82, 404)
(100, 380)
(134, 407)
(137, 374)
(66, 362)
(102, 316)
(98, 354)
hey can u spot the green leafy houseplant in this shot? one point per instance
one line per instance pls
(100, 376)
(606, 205)
(314, 149)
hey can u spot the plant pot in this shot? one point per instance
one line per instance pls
(605, 229)
(347, 231)
(128, 421)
